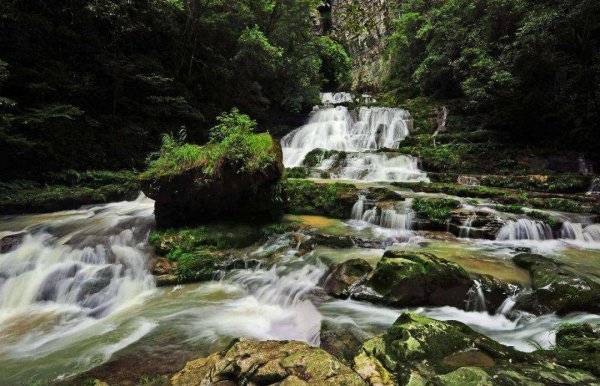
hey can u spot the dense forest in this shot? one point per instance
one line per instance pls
(526, 67)
(93, 84)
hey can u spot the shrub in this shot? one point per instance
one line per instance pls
(436, 210)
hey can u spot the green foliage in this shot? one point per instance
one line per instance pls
(316, 156)
(562, 204)
(336, 64)
(507, 62)
(297, 172)
(195, 266)
(90, 85)
(67, 190)
(307, 197)
(232, 141)
(436, 210)
(517, 209)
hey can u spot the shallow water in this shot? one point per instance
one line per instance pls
(62, 333)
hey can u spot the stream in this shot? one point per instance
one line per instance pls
(77, 292)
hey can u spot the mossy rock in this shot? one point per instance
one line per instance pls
(267, 363)
(310, 198)
(417, 350)
(577, 346)
(416, 279)
(557, 288)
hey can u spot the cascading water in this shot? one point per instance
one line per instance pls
(330, 98)
(73, 268)
(476, 298)
(595, 187)
(385, 218)
(579, 232)
(359, 134)
(372, 167)
(525, 229)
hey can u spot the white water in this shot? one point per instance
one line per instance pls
(580, 232)
(385, 218)
(336, 129)
(525, 229)
(329, 98)
(374, 167)
(595, 188)
(71, 270)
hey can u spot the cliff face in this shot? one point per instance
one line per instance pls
(362, 26)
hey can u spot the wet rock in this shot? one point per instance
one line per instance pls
(267, 363)
(49, 290)
(341, 341)
(160, 266)
(312, 198)
(577, 346)
(242, 264)
(192, 197)
(97, 283)
(494, 291)
(342, 277)
(556, 288)
(478, 224)
(11, 242)
(417, 350)
(332, 241)
(407, 279)
(166, 280)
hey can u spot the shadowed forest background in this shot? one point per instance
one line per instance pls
(93, 84)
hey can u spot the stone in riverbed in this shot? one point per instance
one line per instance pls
(11, 242)
(417, 350)
(407, 279)
(342, 277)
(267, 363)
(556, 288)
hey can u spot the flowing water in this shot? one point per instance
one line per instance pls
(76, 292)
(359, 133)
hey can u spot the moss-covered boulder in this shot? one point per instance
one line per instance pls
(556, 287)
(407, 279)
(248, 362)
(322, 199)
(417, 350)
(193, 185)
(478, 224)
(342, 277)
(577, 346)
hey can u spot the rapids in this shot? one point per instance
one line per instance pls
(77, 293)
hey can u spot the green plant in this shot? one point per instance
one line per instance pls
(436, 210)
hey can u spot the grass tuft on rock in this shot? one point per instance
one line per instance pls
(232, 140)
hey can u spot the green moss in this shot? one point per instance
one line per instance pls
(297, 172)
(436, 210)
(232, 140)
(67, 190)
(562, 204)
(195, 266)
(307, 197)
(517, 209)
(316, 156)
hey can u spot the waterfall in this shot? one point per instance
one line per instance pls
(385, 218)
(576, 231)
(525, 229)
(335, 129)
(329, 98)
(595, 187)
(373, 167)
(476, 298)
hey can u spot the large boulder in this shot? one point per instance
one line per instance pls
(193, 197)
(556, 287)
(248, 362)
(417, 350)
(406, 279)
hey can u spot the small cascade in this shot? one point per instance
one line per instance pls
(476, 298)
(334, 128)
(385, 218)
(509, 303)
(464, 230)
(525, 229)
(579, 232)
(595, 187)
(373, 167)
(330, 98)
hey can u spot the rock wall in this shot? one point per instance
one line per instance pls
(362, 26)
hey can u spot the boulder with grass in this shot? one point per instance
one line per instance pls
(235, 175)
